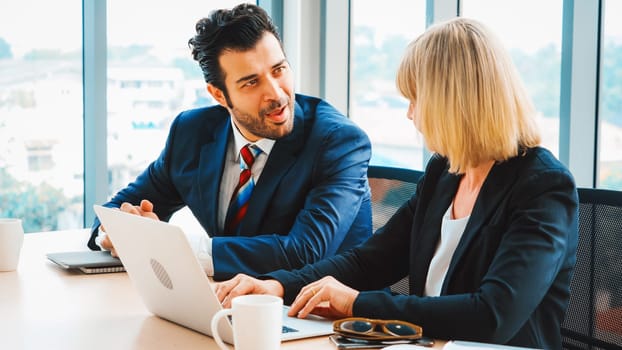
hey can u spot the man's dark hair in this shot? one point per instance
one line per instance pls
(237, 29)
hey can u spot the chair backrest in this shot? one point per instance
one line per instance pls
(390, 188)
(594, 316)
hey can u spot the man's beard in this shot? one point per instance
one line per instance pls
(258, 126)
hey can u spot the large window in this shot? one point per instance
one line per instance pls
(41, 157)
(610, 107)
(152, 77)
(535, 47)
(380, 33)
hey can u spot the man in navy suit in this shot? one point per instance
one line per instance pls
(310, 198)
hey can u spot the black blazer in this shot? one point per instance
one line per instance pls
(508, 281)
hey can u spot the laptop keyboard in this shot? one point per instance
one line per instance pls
(288, 330)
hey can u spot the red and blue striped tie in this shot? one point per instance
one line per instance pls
(242, 192)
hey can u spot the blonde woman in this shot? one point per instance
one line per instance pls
(489, 238)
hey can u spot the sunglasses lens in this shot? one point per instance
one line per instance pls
(356, 326)
(400, 329)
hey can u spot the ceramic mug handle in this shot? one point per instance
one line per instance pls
(215, 320)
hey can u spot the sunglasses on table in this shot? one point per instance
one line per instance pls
(378, 330)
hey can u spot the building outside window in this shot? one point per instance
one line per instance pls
(41, 153)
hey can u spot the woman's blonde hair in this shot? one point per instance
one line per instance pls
(469, 102)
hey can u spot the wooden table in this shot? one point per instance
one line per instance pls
(45, 307)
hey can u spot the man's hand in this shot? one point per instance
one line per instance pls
(105, 243)
(144, 209)
(242, 284)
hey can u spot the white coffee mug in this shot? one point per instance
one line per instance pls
(11, 240)
(257, 322)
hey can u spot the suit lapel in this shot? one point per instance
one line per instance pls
(282, 157)
(426, 239)
(494, 190)
(213, 155)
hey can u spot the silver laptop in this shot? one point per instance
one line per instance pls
(163, 268)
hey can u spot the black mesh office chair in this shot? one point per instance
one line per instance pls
(594, 316)
(390, 188)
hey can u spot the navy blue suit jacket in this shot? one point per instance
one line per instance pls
(508, 280)
(311, 201)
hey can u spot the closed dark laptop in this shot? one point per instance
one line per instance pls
(87, 261)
